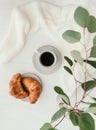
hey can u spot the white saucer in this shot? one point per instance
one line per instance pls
(47, 69)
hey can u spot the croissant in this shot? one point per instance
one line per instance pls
(33, 87)
(16, 88)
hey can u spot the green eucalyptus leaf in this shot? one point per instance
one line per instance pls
(70, 62)
(81, 16)
(63, 96)
(61, 112)
(71, 36)
(86, 122)
(92, 105)
(92, 63)
(46, 126)
(59, 90)
(68, 70)
(77, 56)
(92, 24)
(65, 99)
(92, 108)
(93, 52)
(89, 85)
(74, 118)
(94, 41)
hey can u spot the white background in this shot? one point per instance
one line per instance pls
(16, 114)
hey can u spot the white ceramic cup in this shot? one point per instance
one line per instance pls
(47, 68)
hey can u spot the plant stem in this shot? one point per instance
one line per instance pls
(85, 74)
(61, 120)
(75, 81)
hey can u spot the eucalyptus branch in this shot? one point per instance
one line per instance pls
(89, 49)
(82, 117)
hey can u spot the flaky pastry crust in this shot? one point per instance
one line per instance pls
(33, 87)
(16, 89)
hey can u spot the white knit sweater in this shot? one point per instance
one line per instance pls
(27, 19)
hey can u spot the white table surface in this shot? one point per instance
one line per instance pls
(17, 114)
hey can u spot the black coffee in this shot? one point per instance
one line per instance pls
(47, 59)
